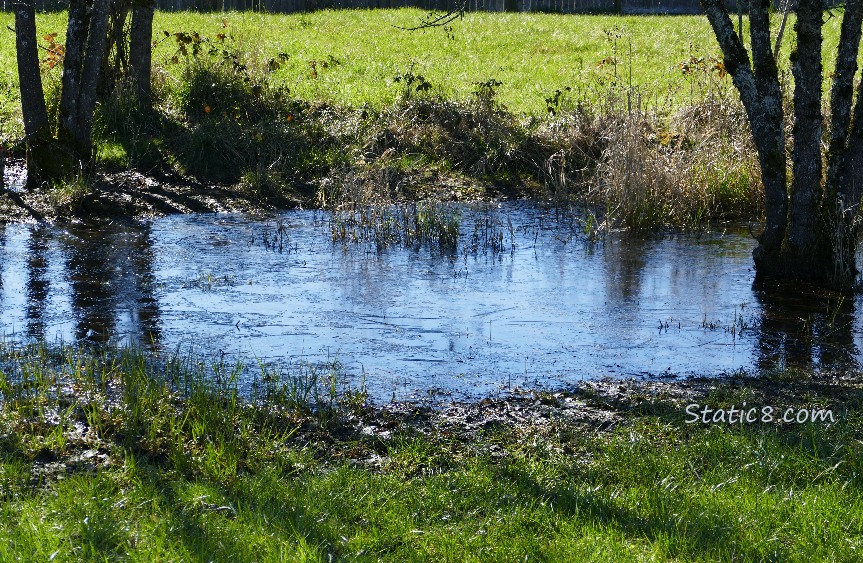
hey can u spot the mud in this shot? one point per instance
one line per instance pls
(133, 195)
(136, 196)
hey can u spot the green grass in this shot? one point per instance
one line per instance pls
(183, 468)
(531, 54)
(359, 52)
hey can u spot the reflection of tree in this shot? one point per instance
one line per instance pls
(92, 272)
(2, 247)
(37, 282)
(802, 326)
(624, 264)
(147, 308)
(111, 274)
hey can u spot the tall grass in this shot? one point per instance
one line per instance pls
(697, 166)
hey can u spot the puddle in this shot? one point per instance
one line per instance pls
(542, 308)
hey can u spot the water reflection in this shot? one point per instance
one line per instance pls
(145, 315)
(803, 326)
(550, 310)
(37, 281)
(92, 266)
(2, 261)
(624, 260)
(110, 269)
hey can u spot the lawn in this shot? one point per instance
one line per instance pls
(112, 456)
(352, 57)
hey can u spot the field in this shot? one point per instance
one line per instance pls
(357, 54)
(105, 456)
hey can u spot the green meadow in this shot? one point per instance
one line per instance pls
(352, 57)
(110, 456)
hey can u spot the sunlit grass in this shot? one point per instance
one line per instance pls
(537, 102)
(358, 53)
(107, 455)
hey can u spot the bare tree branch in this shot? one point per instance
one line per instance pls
(435, 19)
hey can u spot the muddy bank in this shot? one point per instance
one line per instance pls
(560, 418)
(360, 433)
(135, 195)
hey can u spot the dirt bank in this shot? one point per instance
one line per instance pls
(130, 194)
(134, 195)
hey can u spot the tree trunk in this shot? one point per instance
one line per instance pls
(94, 53)
(30, 79)
(841, 96)
(811, 235)
(140, 52)
(45, 158)
(76, 37)
(769, 131)
(85, 49)
(802, 239)
(761, 95)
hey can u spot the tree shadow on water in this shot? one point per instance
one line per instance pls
(112, 284)
(805, 327)
(38, 284)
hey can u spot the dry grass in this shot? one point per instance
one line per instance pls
(630, 167)
(647, 168)
(692, 168)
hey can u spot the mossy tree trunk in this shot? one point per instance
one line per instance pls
(810, 230)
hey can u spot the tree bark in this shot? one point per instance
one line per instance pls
(849, 182)
(33, 109)
(76, 37)
(842, 89)
(140, 52)
(42, 160)
(769, 137)
(845, 165)
(803, 235)
(90, 69)
(761, 95)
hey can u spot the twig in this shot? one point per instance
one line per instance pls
(786, 5)
(433, 19)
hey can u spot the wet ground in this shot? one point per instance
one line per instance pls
(524, 301)
(134, 195)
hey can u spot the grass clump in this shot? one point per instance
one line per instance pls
(696, 165)
(408, 224)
